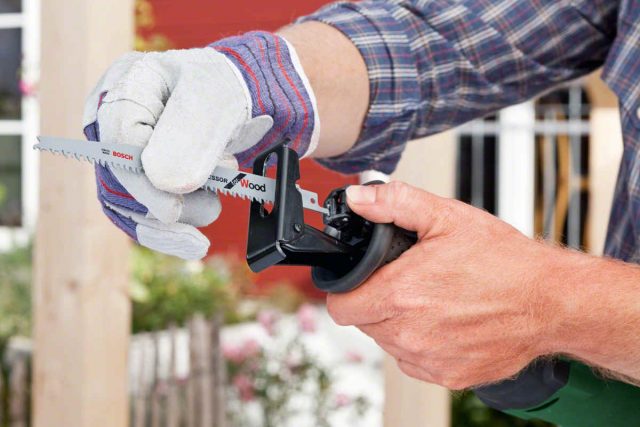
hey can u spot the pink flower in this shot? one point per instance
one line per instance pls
(342, 400)
(26, 89)
(307, 318)
(268, 319)
(238, 354)
(231, 353)
(354, 357)
(250, 348)
(244, 386)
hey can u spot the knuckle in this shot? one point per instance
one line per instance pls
(396, 192)
(396, 301)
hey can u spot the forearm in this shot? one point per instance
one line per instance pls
(597, 310)
(339, 80)
(435, 65)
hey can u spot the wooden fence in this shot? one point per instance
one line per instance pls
(177, 378)
(168, 391)
(15, 387)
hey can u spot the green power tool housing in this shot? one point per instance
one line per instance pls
(350, 249)
(566, 393)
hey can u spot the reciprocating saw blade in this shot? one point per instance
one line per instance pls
(128, 157)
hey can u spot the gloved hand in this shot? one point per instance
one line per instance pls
(193, 110)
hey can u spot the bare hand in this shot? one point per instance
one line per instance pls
(465, 306)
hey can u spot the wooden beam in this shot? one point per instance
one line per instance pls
(605, 152)
(429, 164)
(82, 311)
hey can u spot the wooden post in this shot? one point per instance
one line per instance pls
(605, 151)
(140, 400)
(200, 370)
(82, 309)
(428, 164)
(155, 396)
(173, 395)
(219, 371)
(18, 387)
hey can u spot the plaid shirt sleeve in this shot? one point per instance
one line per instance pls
(435, 64)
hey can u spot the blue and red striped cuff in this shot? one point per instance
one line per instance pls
(278, 88)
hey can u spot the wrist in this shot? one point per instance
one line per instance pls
(277, 88)
(595, 305)
(338, 75)
(545, 293)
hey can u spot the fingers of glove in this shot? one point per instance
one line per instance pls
(201, 208)
(143, 85)
(165, 207)
(126, 121)
(177, 239)
(110, 190)
(181, 240)
(124, 223)
(106, 82)
(205, 108)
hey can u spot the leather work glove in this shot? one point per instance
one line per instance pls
(192, 110)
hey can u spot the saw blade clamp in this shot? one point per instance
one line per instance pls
(342, 256)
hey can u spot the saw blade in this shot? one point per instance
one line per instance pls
(128, 157)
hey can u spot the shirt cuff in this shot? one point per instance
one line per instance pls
(395, 94)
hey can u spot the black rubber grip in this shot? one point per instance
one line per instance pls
(400, 242)
(534, 385)
(387, 243)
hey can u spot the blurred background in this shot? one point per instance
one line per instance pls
(210, 343)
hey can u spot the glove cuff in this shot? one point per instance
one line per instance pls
(278, 88)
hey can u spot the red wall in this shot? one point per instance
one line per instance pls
(190, 23)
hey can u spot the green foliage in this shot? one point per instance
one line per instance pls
(167, 290)
(468, 411)
(15, 309)
(3, 194)
(15, 293)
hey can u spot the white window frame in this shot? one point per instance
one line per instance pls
(27, 127)
(516, 128)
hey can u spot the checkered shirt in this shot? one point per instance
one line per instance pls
(435, 64)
